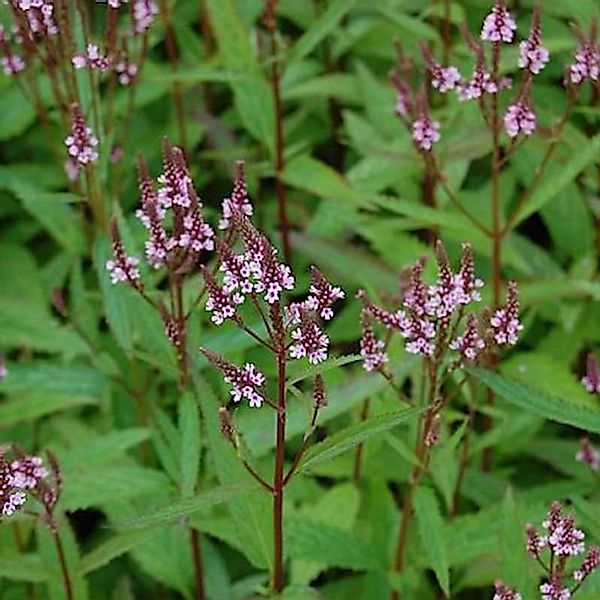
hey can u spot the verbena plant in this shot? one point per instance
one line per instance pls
(183, 416)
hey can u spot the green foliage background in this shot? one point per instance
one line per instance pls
(99, 387)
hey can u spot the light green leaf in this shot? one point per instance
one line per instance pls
(186, 507)
(556, 180)
(431, 528)
(189, 426)
(321, 27)
(350, 437)
(253, 99)
(555, 408)
(30, 407)
(23, 567)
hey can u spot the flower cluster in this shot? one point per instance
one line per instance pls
(81, 143)
(586, 64)
(561, 540)
(123, 268)
(246, 382)
(430, 316)
(519, 118)
(499, 26)
(91, 59)
(588, 455)
(532, 55)
(17, 478)
(591, 380)
(503, 592)
(38, 16)
(505, 321)
(237, 201)
(126, 72)
(11, 63)
(425, 132)
(144, 13)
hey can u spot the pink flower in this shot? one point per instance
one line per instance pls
(323, 295)
(81, 143)
(92, 59)
(309, 341)
(28, 472)
(589, 565)
(238, 202)
(499, 26)
(223, 305)
(562, 538)
(144, 12)
(425, 132)
(553, 590)
(505, 321)
(591, 380)
(519, 118)
(470, 343)
(16, 478)
(126, 72)
(586, 66)
(532, 55)
(588, 455)
(372, 350)
(481, 82)
(247, 382)
(12, 64)
(176, 183)
(503, 592)
(443, 79)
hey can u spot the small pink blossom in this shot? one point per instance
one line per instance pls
(144, 13)
(588, 455)
(586, 65)
(238, 201)
(372, 350)
(470, 343)
(126, 72)
(309, 341)
(425, 132)
(503, 592)
(91, 59)
(505, 321)
(589, 565)
(81, 143)
(532, 55)
(519, 118)
(499, 26)
(591, 380)
(553, 590)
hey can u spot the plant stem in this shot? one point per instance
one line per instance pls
(62, 560)
(197, 560)
(364, 413)
(278, 474)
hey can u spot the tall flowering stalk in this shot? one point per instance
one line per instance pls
(249, 273)
(437, 323)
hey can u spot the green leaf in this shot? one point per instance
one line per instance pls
(409, 24)
(327, 365)
(329, 545)
(187, 507)
(30, 407)
(112, 548)
(321, 27)
(253, 99)
(535, 401)
(104, 485)
(23, 567)
(17, 113)
(431, 528)
(350, 437)
(556, 180)
(312, 175)
(189, 426)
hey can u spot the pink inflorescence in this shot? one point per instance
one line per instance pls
(554, 590)
(126, 72)
(247, 382)
(238, 200)
(122, 267)
(425, 132)
(16, 478)
(505, 322)
(470, 343)
(372, 350)
(481, 82)
(586, 64)
(562, 538)
(91, 59)
(39, 15)
(144, 13)
(588, 455)
(309, 341)
(589, 565)
(503, 592)
(81, 143)
(591, 380)
(221, 304)
(11, 63)
(519, 118)
(532, 55)
(499, 26)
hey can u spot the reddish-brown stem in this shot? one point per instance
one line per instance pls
(356, 472)
(279, 158)
(278, 479)
(303, 446)
(197, 560)
(256, 476)
(176, 87)
(62, 560)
